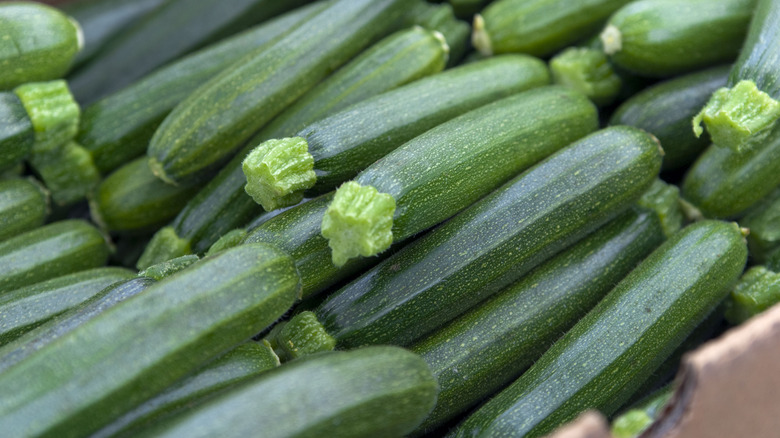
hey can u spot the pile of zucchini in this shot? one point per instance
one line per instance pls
(363, 218)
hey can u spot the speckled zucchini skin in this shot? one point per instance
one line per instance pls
(605, 357)
(16, 131)
(24, 205)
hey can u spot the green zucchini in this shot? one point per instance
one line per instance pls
(236, 367)
(174, 29)
(756, 291)
(665, 110)
(50, 251)
(118, 359)
(39, 43)
(23, 309)
(660, 38)
(375, 391)
(604, 358)
(24, 205)
(538, 27)
(588, 71)
(441, 18)
(664, 199)
(16, 131)
(68, 172)
(132, 199)
(632, 423)
(491, 345)
(740, 116)
(762, 220)
(517, 227)
(118, 127)
(335, 148)
(431, 178)
(210, 125)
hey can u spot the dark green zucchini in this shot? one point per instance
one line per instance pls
(603, 359)
(118, 359)
(741, 116)
(24, 309)
(16, 131)
(588, 71)
(633, 422)
(371, 392)
(50, 251)
(664, 199)
(24, 205)
(660, 38)
(756, 291)
(209, 126)
(491, 345)
(665, 110)
(174, 29)
(433, 176)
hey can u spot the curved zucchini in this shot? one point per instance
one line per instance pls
(665, 110)
(756, 291)
(375, 391)
(588, 71)
(50, 251)
(24, 309)
(661, 38)
(210, 125)
(117, 359)
(430, 178)
(24, 205)
(16, 131)
(491, 345)
(39, 43)
(603, 359)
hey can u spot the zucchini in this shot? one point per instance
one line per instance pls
(24, 309)
(742, 115)
(664, 199)
(339, 146)
(514, 229)
(40, 43)
(50, 251)
(632, 423)
(604, 358)
(118, 127)
(376, 391)
(588, 71)
(210, 125)
(660, 38)
(118, 359)
(665, 110)
(762, 221)
(24, 205)
(756, 291)
(516, 326)
(723, 183)
(430, 178)
(236, 367)
(16, 131)
(173, 29)
(538, 27)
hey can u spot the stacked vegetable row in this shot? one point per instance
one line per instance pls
(338, 159)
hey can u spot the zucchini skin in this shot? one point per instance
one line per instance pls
(515, 327)
(756, 291)
(175, 28)
(441, 275)
(210, 125)
(118, 127)
(50, 251)
(117, 360)
(666, 109)
(376, 391)
(660, 38)
(601, 361)
(24, 205)
(16, 132)
(26, 308)
(762, 220)
(42, 42)
(759, 59)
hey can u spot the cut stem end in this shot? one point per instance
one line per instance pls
(278, 171)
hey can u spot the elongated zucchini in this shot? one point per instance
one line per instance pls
(432, 177)
(118, 127)
(664, 199)
(16, 131)
(376, 391)
(237, 366)
(538, 27)
(118, 359)
(665, 110)
(211, 124)
(339, 146)
(763, 221)
(588, 71)
(660, 38)
(602, 360)
(742, 115)
(39, 43)
(756, 291)
(175, 28)
(491, 345)
(23, 309)
(24, 205)
(50, 251)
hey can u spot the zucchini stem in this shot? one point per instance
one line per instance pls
(278, 171)
(68, 171)
(303, 335)
(165, 245)
(53, 112)
(611, 39)
(587, 71)
(480, 38)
